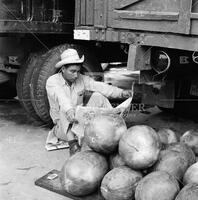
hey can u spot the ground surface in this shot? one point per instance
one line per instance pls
(23, 157)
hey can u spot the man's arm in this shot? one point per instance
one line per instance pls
(104, 88)
(54, 90)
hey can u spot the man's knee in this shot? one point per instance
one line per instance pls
(99, 100)
(96, 100)
(97, 95)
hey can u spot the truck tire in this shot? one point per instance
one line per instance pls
(46, 68)
(23, 84)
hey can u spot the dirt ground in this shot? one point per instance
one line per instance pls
(23, 158)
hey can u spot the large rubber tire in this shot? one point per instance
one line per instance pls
(23, 84)
(46, 68)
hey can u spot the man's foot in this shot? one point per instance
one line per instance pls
(74, 147)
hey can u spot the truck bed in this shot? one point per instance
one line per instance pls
(43, 16)
(126, 20)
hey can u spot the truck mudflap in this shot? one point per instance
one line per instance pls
(51, 182)
(163, 96)
(194, 88)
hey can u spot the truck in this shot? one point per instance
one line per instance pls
(28, 30)
(159, 38)
(33, 34)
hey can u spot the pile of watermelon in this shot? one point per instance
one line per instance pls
(138, 163)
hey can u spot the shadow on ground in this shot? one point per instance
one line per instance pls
(12, 111)
(157, 119)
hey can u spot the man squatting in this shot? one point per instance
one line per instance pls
(65, 91)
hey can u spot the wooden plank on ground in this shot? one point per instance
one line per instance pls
(54, 185)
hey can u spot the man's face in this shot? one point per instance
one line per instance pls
(71, 72)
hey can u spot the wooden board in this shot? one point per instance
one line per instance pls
(165, 16)
(151, 15)
(54, 185)
(100, 13)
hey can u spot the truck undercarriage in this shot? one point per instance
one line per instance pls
(157, 38)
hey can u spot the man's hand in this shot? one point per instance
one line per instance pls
(124, 112)
(126, 93)
(70, 114)
(80, 139)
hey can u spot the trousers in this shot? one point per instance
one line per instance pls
(61, 130)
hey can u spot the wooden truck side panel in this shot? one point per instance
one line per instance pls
(151, 15)
(165, 23)
(39, 16)
(194, 18)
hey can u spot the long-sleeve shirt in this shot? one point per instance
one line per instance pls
(63, 97)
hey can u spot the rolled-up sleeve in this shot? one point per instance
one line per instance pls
(56, 92)
(103, 88)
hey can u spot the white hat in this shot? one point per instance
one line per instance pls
(69, 56)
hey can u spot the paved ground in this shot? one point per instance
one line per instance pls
(23, 157)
